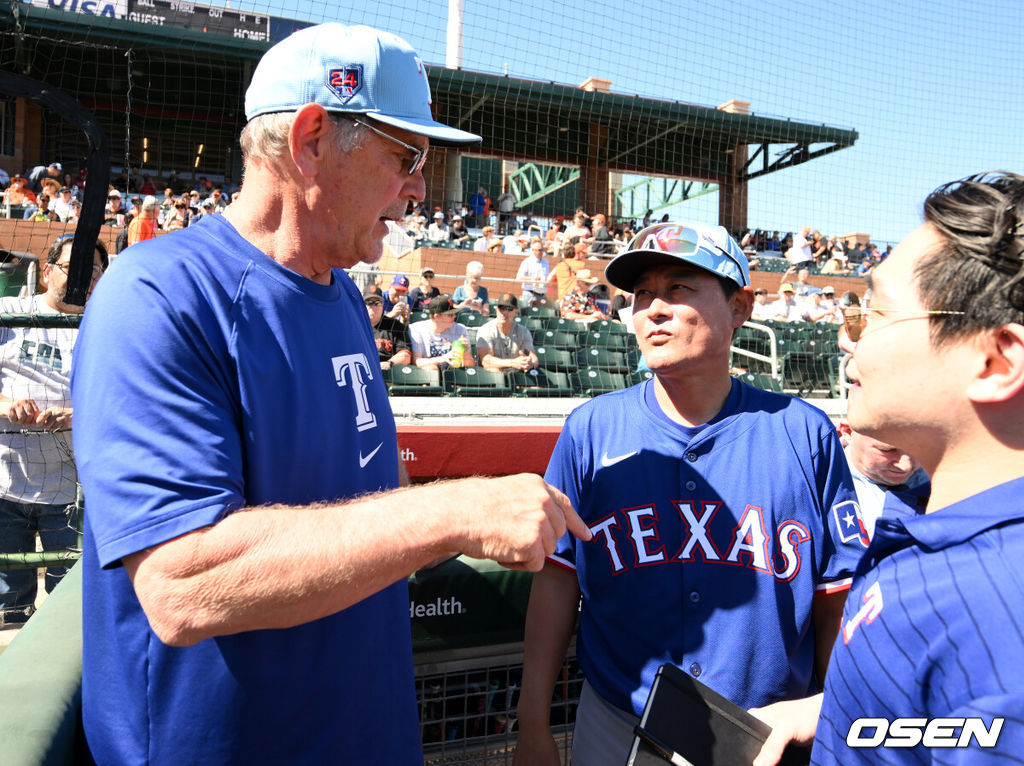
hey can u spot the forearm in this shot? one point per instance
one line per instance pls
(247, 572)
(550, 619)
(402, 357)
(275, 567)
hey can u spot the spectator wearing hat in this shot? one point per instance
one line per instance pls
(40, 172)
(438, 230)
(488, 242)
(144, 226)
(602, 243)
(515, 243)
(396, 299)
(578, 304)
(18, 193)
(786, 308)
(458, 232)
(424, 292)
(471, 294)
(533, 273)
(763, 311)
(207, 207)
(115, 212)
(433, 338)
(76, 211)
(62, 205)
(389, 333)
(814, 310)
(503, 343)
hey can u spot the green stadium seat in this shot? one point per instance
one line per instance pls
(590, 381)
(609, 326)
(544, 312)
(765, 382)
(475, 381)
(408, 380)
(603, 359)
(604, 339)
(555, 359)
(418, 316)
(639, 376)
(542, 383)
(806, 372)
(533, 324)
(565, 325)
(556, 339)
(471, 318)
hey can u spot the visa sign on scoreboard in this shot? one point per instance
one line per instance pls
(179, 14)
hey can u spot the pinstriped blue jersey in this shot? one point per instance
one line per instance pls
(709, 543)
(934, 628)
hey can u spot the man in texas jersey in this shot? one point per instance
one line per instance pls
(725, 524)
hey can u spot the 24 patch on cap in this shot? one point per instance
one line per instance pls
(345, 81)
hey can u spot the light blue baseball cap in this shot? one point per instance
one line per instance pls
(706, 247)
(349, 69)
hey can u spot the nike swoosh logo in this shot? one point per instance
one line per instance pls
(608, 462)
(364, 460)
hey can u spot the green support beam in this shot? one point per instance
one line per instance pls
(655, 194)
(530, 182)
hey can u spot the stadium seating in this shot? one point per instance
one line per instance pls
(566, 325)
(605, 339)
(471, 318)
(542, 383)
(475, 381)
(603, 359)
(556, 339)
(590, 381)
(766, 382)
(408, 380)
(555, 359)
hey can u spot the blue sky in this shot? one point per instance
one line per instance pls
(935, 89)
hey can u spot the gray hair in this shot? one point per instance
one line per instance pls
(266, 137)
(474, 269)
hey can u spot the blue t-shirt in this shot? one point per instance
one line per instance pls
(933, 628)
(209, 378)
(709, 542)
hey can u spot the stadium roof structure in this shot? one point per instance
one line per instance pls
(552, 122)
(529, 121)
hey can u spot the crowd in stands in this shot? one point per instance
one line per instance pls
(134, 203)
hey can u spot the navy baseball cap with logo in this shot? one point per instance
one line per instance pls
(706, 247)
(349, 69)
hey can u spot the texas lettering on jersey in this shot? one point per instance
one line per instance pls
(631, 539)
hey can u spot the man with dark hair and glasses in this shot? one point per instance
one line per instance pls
(933, 628)
(724, 519)
(38, 481)
(245, 558)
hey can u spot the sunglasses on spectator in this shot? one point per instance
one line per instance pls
(856, 319)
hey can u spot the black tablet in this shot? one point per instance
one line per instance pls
(689, 724)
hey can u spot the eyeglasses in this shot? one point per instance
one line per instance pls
(96, 269)
(856, 318)
(419, 156)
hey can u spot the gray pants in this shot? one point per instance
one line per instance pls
(604, 734)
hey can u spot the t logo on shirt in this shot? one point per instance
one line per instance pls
(355, 370)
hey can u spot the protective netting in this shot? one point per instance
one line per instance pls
(781, 121)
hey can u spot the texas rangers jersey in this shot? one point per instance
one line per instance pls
(933, 628)
(209, 378)
(709, 542)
